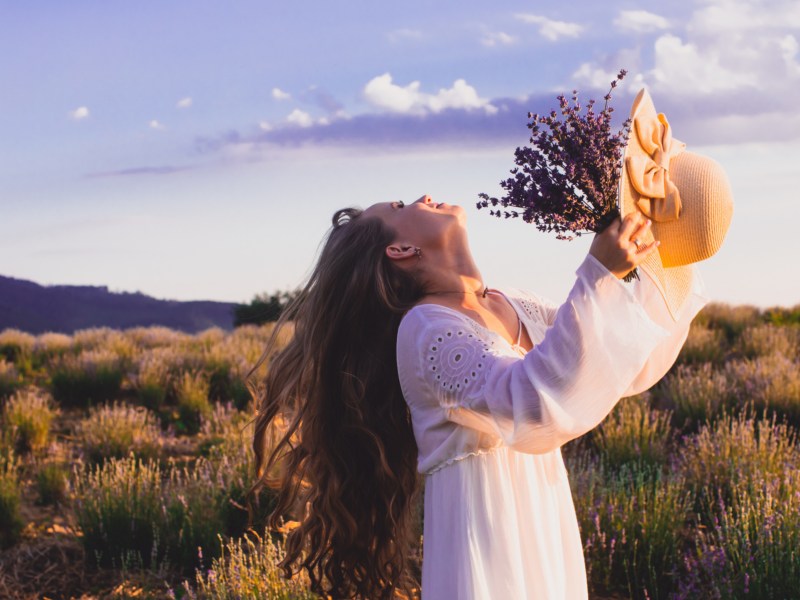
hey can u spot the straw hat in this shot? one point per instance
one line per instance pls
(687, 196)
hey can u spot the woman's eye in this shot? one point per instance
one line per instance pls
(399, 204)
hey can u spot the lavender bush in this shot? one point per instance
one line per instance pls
(735, 453)
(634, 434)
(704, 345)
(632, 524)
(90, 377)
(9, 378)
(695, 394)
(752, 548)
(769, 383)
(26, 420)
(247, 568)
(11, 523)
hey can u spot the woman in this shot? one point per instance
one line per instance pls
(403, 360)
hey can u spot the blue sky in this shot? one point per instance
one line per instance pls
(197, 150)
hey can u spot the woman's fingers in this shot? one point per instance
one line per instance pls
(630, 223)
(638, 233)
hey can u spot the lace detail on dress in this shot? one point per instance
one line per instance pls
(456, 363)
(535, 311)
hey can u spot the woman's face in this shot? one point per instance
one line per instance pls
(424, 223)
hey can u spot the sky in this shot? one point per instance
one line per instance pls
(196, 150)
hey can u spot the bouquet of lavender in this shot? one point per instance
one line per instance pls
(567, 180)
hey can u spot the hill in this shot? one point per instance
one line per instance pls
(36, 309)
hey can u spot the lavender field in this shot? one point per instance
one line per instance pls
(124, 460)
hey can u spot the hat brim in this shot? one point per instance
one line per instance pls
(674, 283)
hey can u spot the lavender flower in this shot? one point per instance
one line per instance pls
(567, 179)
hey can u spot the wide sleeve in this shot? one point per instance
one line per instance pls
(600, 340)
(664, 354)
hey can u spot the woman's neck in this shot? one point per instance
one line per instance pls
(453, 281)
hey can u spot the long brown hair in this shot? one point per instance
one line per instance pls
(345, 463)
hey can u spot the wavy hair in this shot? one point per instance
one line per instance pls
(344, 465)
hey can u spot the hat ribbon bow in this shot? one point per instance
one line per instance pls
(649, 175)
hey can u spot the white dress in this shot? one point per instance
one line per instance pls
(489, 421)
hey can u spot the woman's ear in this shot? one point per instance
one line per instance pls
(400, 251)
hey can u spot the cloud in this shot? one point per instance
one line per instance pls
(166, 170)
(550, 29)
(155, 125)
(279, 94)
(640, 21)
(382, 93)
(392, 131)
(729, 74)
(685, 65)
(184, 102)
(79, 113)
(300, 118)
(498, 38)
(265, 126)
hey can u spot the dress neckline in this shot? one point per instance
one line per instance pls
(516, 347)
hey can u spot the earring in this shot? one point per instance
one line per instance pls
(418, 251)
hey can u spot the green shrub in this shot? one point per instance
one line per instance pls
(27, 417)
(51, 484)
(115, 430)
(91, 377)
(11, 523)
(633, 433)
(783, 316)
(247, 568)
(193, 403)
(632, 524)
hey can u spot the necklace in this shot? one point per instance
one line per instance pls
(481, 292)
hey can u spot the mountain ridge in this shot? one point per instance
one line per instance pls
(35, 308)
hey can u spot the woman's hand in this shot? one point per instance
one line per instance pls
(619, 248)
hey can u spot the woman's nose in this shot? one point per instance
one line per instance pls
(425, 199)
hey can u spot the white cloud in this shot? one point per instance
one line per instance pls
(381, 92)
(184, 102)
(640, 21)
(156, 125)
(300, 118)
(594, 76)
(79, 113)
(550, 29)
(264, 126)
(688, 67)
(498, 39)
(730, 64)
(279, 94)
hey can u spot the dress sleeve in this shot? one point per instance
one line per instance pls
(665, 354)
(598, 344)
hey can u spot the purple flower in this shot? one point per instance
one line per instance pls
(566, 180)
